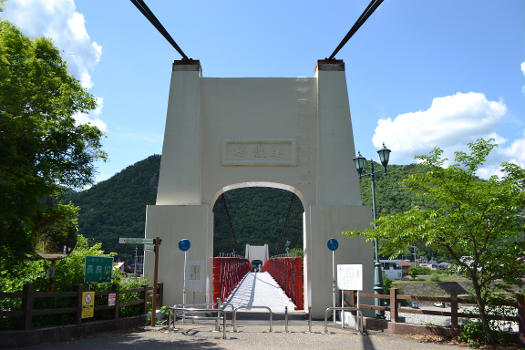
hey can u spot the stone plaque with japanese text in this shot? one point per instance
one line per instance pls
(266, 152)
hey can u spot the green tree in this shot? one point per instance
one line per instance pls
(478, 223)
(43, 149)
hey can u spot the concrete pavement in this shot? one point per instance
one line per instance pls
(259, 288)
(251, 335)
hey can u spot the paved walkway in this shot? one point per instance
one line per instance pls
(257, 289)
(250, 336)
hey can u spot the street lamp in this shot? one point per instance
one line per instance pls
(359, 161)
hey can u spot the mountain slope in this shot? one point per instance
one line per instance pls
(117, 208)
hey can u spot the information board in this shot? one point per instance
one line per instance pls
(88, 304)
(195, 277)
(112, 298)
(350, 277)
(98, 269)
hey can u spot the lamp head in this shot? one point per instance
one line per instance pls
(359, 163)
(384, 155)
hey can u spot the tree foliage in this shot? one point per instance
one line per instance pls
(478, 223)
(43, 148)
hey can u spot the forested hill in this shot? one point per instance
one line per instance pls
(117, 208)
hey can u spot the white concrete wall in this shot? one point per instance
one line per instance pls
(328, 222)
(288, 133)
(181, 166)
(172, 223)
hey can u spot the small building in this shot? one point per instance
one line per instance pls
(395, 269)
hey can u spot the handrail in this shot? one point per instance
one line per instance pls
(340, 308)
(223, 305)
(198, 310)
(227, 273)
(288, 273)
(234, 319)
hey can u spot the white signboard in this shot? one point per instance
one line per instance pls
(112, 297)
(350, 277)
(134, 240)
(195, 277)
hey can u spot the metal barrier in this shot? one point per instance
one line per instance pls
(223, 306)
(227, 273)
(346, 308)
(234, 319)
(197, 310)
(288, 273)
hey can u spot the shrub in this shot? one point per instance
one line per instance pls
(434, 277)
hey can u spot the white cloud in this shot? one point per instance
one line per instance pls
(512, 153)
(59, 21)
(450, 123)
(92, 118)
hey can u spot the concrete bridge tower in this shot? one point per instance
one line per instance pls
(288, 133)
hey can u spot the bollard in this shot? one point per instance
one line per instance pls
(223, 324)
(286, 319)
(309, 319)
(217, 324)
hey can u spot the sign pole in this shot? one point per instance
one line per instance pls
(155, 280)
(52, 269)
(184, 280)
(332, 244)
(184, 245)
(333, 283)
(342, 311)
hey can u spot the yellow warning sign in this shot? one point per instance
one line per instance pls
(88, 304)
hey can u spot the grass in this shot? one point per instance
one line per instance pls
(423, 285)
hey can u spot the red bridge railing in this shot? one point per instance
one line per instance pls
(227, 273)
(288, 272)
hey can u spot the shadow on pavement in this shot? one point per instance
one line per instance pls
(367, 343)
(128, 341)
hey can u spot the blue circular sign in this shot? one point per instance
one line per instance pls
(332, 244)
(184, 244)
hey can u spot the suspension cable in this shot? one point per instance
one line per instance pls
(235, 243)
(141, 5)
(372, 6)
(285, 223)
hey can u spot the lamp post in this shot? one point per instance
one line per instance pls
(359, 161)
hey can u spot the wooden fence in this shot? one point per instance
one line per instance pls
(453, 300)
(28, 295)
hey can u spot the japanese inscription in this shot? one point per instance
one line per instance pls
(266, 152)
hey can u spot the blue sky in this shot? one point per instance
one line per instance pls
(419, 73)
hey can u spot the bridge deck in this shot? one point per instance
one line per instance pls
(259, 288)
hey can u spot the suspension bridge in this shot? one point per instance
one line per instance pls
(293, 134)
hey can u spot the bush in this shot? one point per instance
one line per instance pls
(69, 273)
(416, 270)
(387, 284)
(473, 334)
(472, 331)
(434, 276)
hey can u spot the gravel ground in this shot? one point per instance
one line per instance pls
(251, 335)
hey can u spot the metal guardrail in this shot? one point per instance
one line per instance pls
(222, 306)
(173, 310)
(234, 319)
(347, 308)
